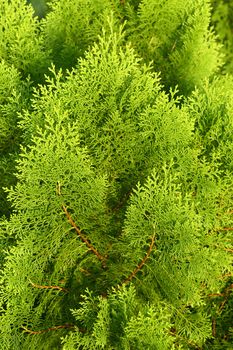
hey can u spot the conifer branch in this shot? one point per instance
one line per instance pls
(78, 231)
(55, 328)
(216, 295)
(228, 250)
(225, 294)
(225, 229)
(82, 237)
(49, 287)
(226, 275)
(174, 333)
(142, 263)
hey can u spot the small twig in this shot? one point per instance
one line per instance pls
(226, 275)
(65, 326)
(214, 327)
(225, 295)
(224, 229)
(216, 295)
(222, 305)
(78, 231)
(49, 287)
(228, 250)
(142, 263)
(83, 238)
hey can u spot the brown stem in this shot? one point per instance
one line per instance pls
(226, 295)
(65, 326)
(224, 229)
(229, 288)
(83, 238)
(214, 327)
(142, 263)
(49, 287)
(228, 250)
(226, 275)
(73, 224)
(216, 295)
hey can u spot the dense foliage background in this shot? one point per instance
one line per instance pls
(116, 183)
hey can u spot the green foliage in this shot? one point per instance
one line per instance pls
(212, 108)
(20, 42)
(44, 230)
(222, 18)
(72, 26)
(125, 102)
(117, 229)
(120, 322)
(14, 95)
(40, 7)
(176, 36)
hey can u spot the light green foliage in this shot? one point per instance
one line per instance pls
(42, 231)
(127, 122)
(176, 36)
(13, 92)
(117, 232)
(71, 26)
(14, 95)
(20, 42)
(121, 322)
(212, 106)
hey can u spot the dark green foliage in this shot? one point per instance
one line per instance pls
(40, 7)
(117, 229)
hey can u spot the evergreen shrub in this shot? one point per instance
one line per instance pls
(116, 159)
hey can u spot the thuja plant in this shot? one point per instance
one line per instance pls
(120, 232)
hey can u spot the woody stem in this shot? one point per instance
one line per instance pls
(142, 263)
(82, 237)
